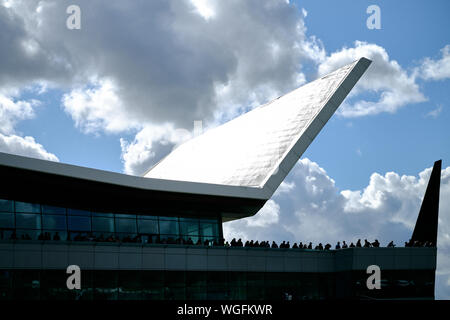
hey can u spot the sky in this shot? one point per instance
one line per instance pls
(120, 92)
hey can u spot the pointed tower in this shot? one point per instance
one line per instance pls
(427, 222)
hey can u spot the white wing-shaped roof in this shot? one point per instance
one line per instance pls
(260, 147)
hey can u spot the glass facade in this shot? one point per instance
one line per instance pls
(211, 285)
(33, 221)
(162, 285)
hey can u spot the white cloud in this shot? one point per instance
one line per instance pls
(24, 146)
(385, 77)
(186, 60)
(98, 108)
(149, 145)
(13, 110)
(313, 209)
(435, 112)
(204, 8)
(267, 218)
(436, 69)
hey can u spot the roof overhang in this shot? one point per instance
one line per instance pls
(55, 183)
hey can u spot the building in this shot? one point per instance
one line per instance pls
(160, 236)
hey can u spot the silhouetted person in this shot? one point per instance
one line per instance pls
(233, 242)
(352, 245)
(376, 244)
(283, 245)
(344, 245)
(300, 245)
(358, 243)
(409, 243)
(310, 245)
(288, 245)
(391, 244)
(256, 243)
(239, 243)
(295, 246)
(338, 246)
(327, 246)
(274, 245)
(367, 244)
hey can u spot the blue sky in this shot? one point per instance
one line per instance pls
(403, 142)
(114, 94)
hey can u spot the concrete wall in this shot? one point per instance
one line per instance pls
(105, 256)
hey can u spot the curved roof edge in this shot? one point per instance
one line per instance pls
(119, 179)
(316, 124)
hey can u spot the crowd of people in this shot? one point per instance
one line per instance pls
(320, 246)
(301, 245)
(149, 239)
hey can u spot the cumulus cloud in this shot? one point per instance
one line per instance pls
(309, 207)
(98, 108)
(178, 64)
(436, 69)
(394, 87)
(13, 110)
(149, 145)
(24, 146)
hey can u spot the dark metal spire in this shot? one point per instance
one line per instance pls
(427, 222)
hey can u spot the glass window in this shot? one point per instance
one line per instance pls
(6, 205)
(189, 228)
(28, 221)
(102, 214)
(105, 284)
(103, 224)
(148, 226)
(53, 210)
(53, 222)
(77, 212)
(132, 216)
(148, 217)
(168, 227)
(126, 225)
(196, 279)
(169, 218)
(209, 229)
(27, 207)
(79, 223)
(6, 220)
(130, 285)
(27, 234)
